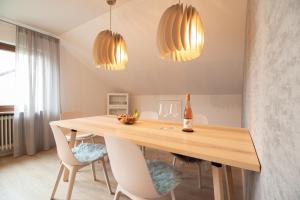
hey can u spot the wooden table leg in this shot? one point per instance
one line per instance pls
(244, 184)
(229, 183)
(71, 145)
(217, 181)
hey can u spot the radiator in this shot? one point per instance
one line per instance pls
(6, 133)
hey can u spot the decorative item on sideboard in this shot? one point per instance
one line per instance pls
(117, 103)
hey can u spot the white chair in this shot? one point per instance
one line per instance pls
(198, 119)
(147, 115)
(77, 158)
(138, 179)
(80, 136)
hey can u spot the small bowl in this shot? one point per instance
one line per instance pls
(127, 119)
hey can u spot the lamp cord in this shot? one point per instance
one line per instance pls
(110, 17)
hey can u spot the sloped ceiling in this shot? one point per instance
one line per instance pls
(54, 16)
(219, 70)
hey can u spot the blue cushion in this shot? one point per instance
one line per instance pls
(86, 152)
(164, 176)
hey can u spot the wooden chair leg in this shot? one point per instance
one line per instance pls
(117, 194)
(144, 150)
(66, 175)
(217, 181)
(229, 183)
(71, 182)
(77, 143)
(106, 176)
(94, 171)
(173, 195)
(61, 169)
(199, 175)
(92, 140)
(174, 161)
(71, 145)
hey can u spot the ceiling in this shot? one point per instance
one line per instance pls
(219, 70)
(54, 16)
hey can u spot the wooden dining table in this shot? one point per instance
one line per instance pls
(222, 146)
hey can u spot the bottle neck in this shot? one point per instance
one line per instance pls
(188, 103)
(188, 98)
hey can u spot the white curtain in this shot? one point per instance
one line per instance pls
(37, 91)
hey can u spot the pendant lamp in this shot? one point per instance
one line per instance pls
(110, 50)
(180, 35)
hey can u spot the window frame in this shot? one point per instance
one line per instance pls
(7, 47)
(12, 48)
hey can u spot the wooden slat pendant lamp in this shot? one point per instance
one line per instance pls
(110, 50)
(180, 35)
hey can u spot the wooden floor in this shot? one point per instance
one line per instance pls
(33, 177)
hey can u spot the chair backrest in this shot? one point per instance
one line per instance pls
(129, 167)
(200, 119)
(148, 115)
(63, 150)
(70, 115)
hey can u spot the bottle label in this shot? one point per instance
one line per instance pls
(187, 123)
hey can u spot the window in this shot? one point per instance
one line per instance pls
(7, 77)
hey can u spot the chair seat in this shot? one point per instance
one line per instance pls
(81, 136)
(164, 176)
(86, 152)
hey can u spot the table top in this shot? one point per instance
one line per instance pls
(225, 145)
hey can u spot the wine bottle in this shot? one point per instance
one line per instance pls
(188, 116)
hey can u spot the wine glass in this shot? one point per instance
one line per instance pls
(163, 110)
(167, 111)
(174, 111)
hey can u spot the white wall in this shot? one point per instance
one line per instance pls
(7, 33)
(272, 97)
(81, 89)
(219, 70)
(219, 109)
(216, 75)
